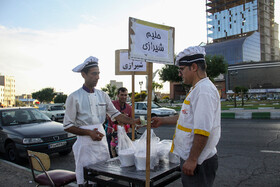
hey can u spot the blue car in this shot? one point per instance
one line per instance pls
(24, 129)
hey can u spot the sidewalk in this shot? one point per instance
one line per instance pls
(241, 113)
(261, 113)
(13, 175)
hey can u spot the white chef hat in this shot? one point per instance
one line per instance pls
(89, 62)
(190, 55)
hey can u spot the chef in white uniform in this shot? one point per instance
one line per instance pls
(85, 113)
(198, 127)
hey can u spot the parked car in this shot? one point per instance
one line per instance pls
(24, 129)
(54, 111)
(157, 110)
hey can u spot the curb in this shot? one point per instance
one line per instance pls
(250, 115)
(24, 170)
(15, 165)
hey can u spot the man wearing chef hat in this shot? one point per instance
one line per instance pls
(198, 127)
(85, 113)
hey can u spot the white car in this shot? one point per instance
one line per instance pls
(54, 111)
(157, 110)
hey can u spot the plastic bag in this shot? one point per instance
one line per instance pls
(173, 158)
(163, 149)
(126, 148)
(140, 152)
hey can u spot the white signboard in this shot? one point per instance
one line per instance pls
(151, 42)
(130, 65)
(126, 66)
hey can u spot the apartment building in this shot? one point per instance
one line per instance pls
(7, 90)
(1, 95)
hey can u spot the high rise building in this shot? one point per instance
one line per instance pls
(1, 95)
(7, 84)
(242, 30)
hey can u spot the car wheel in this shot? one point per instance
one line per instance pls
(53, 118)
(12, 153)
(66, 152)
(154, 115)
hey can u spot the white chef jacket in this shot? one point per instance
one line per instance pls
(200, 114)
(81, 110)
(88, 111)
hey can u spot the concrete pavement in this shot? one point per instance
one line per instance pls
(13, 175)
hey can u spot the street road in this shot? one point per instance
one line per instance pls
(249, 153)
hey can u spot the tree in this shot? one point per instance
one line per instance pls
(169, 73)
(111, 90)
(19, 103)
(165, 97)
(157, 86)
(216, 65)
(60, 99)
(44, 95)
(140, 96)
(239, 90)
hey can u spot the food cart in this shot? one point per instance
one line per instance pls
(110, 173)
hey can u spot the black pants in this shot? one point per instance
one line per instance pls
(204, 174)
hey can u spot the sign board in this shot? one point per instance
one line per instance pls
(151, 42)
(126, 66)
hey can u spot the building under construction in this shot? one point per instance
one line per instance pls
(242, 30)
(245, 34)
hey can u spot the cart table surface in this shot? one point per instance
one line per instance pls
(111, 172)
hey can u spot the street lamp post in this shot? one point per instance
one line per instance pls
(140, 83)
(233, 74)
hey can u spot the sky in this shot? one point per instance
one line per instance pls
(41, 41)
